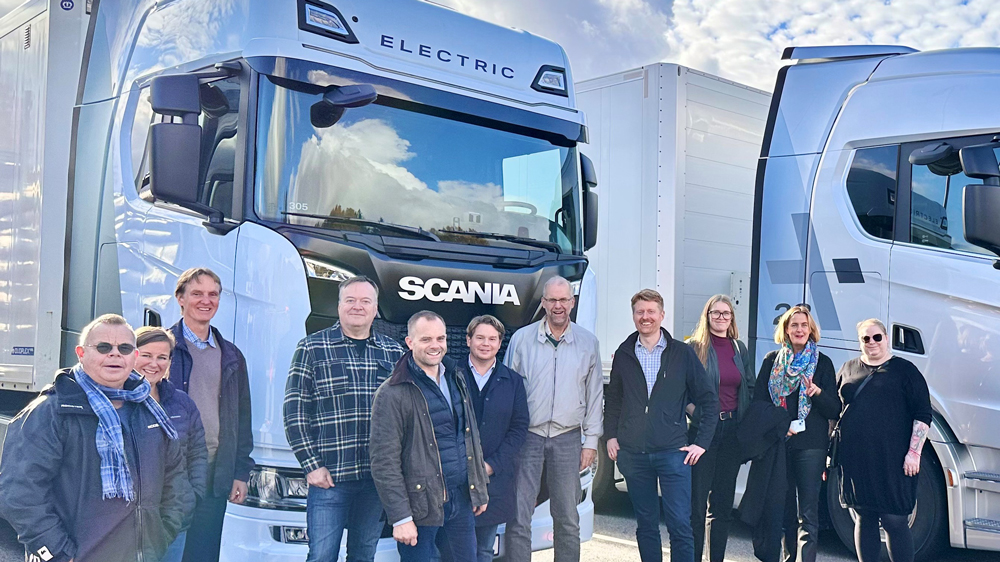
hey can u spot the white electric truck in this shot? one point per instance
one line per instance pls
(856, 215)
(287, 145)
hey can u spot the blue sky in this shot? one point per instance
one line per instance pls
(740, 40)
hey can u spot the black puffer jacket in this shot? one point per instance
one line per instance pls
(50, 482)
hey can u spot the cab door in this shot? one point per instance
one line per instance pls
(944, 307)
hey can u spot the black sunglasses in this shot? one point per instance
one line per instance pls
(105, 348)
(877, 338)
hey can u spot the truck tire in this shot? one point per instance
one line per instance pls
(604, 478)
(928, 522)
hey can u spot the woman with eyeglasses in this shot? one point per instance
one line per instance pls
(713, 480)
(800, 379)
(156, 346)
(887, 414)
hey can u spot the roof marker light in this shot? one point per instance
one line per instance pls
(326, 20)
(551, 80)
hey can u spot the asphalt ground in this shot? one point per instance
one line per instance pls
(614, 541)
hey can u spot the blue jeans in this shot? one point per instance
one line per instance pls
(485, 537)
(353, 505)
(642, 471)
(455, 540)
(175, 552)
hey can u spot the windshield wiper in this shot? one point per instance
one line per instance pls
(374, 224)
(510, 238)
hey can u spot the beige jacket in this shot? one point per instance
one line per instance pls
(565, 384)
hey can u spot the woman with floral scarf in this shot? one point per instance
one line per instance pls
(803, 381)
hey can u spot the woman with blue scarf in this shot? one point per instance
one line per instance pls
(803, 381)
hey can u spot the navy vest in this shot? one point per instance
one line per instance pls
(449, 426)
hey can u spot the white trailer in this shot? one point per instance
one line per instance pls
(676, 152)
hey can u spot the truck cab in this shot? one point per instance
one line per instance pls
(288, 146)
(862, 210)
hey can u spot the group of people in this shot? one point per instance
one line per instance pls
(448, 450)
(135, 452)
(116, 462)
(781, 419)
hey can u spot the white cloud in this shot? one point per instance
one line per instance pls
(738, 39)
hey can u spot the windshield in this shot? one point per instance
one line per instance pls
(386, 169)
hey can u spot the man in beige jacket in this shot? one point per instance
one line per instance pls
(561, 365)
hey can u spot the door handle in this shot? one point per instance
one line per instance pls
(907, 339)
(150, 318)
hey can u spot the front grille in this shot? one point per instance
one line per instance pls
(457, 348)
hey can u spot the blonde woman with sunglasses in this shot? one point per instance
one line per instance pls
(886, 417)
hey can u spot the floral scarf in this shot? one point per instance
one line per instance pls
(792, 371)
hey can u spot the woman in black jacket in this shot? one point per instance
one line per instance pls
(713, 480)
(802, 380)
(882, 430)
(155, 347)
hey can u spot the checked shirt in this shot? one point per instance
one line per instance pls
(328, 400)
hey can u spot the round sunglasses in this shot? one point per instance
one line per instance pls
(876, 338)
(105, 348)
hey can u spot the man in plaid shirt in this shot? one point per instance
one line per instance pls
(328, 405)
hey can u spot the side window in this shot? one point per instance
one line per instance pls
(140, 133)
(871, 186)
(220, 139)
(936, 204)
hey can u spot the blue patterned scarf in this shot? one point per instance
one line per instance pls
(116, 481)
(792, 371)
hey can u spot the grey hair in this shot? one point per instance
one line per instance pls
(556, 280)
(107, 319)
(354, 280)
(872, 322)
(422, 315)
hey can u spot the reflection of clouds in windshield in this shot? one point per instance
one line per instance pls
(362, 166)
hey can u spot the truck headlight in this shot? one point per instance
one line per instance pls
(277, 488)
(322, 270)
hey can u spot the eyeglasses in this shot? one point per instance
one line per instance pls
(876, 338)
(105, 348)
(558, 301)
(723, 314)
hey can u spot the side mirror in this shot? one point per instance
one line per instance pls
(588, 172)
(980, 208)
(326, 112)
(175, 148)
(589, 219)
(980, 162)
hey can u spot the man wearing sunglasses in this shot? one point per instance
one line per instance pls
(213, 372)
(92, 470)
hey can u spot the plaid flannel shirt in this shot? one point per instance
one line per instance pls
(328, 400)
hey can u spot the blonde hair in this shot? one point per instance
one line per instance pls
(701, 339)
(872, 322)
(781, 330)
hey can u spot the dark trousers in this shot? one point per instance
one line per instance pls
(713, 489)
(801, 521)
(485, 537)
(455, 540)
(868, 539)
(204, 536)
(642, 472)
(353, 505)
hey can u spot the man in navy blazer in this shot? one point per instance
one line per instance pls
(501, 405)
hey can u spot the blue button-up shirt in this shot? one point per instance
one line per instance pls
(194, 340)
(650, 361)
